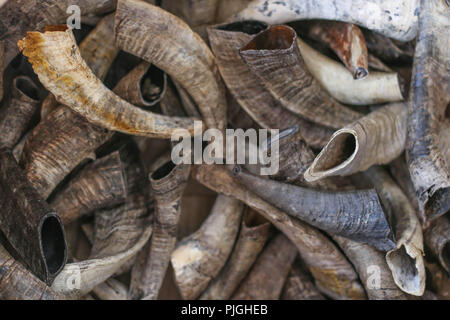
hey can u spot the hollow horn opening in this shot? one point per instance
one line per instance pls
(53, 244)
(274, 38)
(339, 150)
(163, 171)
(27, 87)
(248, 27)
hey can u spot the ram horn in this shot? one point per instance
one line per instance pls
(167, 183)
(100, 184)
(345, 39)
(406, 261)
(377, 87)
(56, 59)
(437, 238)
(18, 110)
(31, 227)
(111, 289)
(144, 86)
(255, 99)
(391, 18)
(119, 235)
(17, 283)
(148, 38)
(299, 284)
(199, 257)
(268, 275)
(361, 217)
(274, 57)
(17, 17)
(333, 274)
(372, 269)
(98, 49)
(388, 49)
(251, 240)
(428, 110)
(377, 138)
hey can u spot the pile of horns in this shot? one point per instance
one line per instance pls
(92, 207)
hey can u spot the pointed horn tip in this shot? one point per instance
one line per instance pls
(360, 73)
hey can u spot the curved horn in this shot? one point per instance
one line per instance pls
(333, 274)
(61, 69)
(377, 138)
(437, 238)
(394, 19)
(251, 240)
(148, 38)
(268, 275)
(198, 258)
(255, 99)
(429, 109)
(274, 57)
(377, 87)
(167, 183)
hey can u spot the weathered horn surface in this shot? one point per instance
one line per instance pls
(57, 61)
(406, 261)
(428, 110)
(33, 229)
(388, 49)
(377, 87)
(333, 274)
(437, 239)
(394, 19)
(17, 110)
(361, 217)
(163, 39)
(167, 183)
(346, 40)
(268, 275)
(274, 57)
(199, 257)
(377, 138)
(252, 238)
(226, 40)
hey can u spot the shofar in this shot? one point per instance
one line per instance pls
(274, 57)
(377, 138)
(428, 109)
(268, 275)
(360, 214)
(198, 258)
(17, 111)
(437, 239)
(333, 274)
(163, 39)
(250, 93)
(377, 87)
(31, 227)
(394, 19)
(167, 183)
(56, 59)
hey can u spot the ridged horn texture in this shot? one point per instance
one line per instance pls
(394, 19)
(299, 284)
(274, 57)
(17, 283)
(406, 261)
(268, 275)
(57, 61)
(100, 184)
(333, 274)
(250, 93)
(163, 39)
(17, 111)
(437, 239)
(198, 258)
(167, 183)
(377, 138)
(360, 214)
(31, 227)
(347, 41)
(251, 240)
(144, 86)
(19, 16)
(372, 269)
(377, 87)
(427, 110)
(119, 235)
